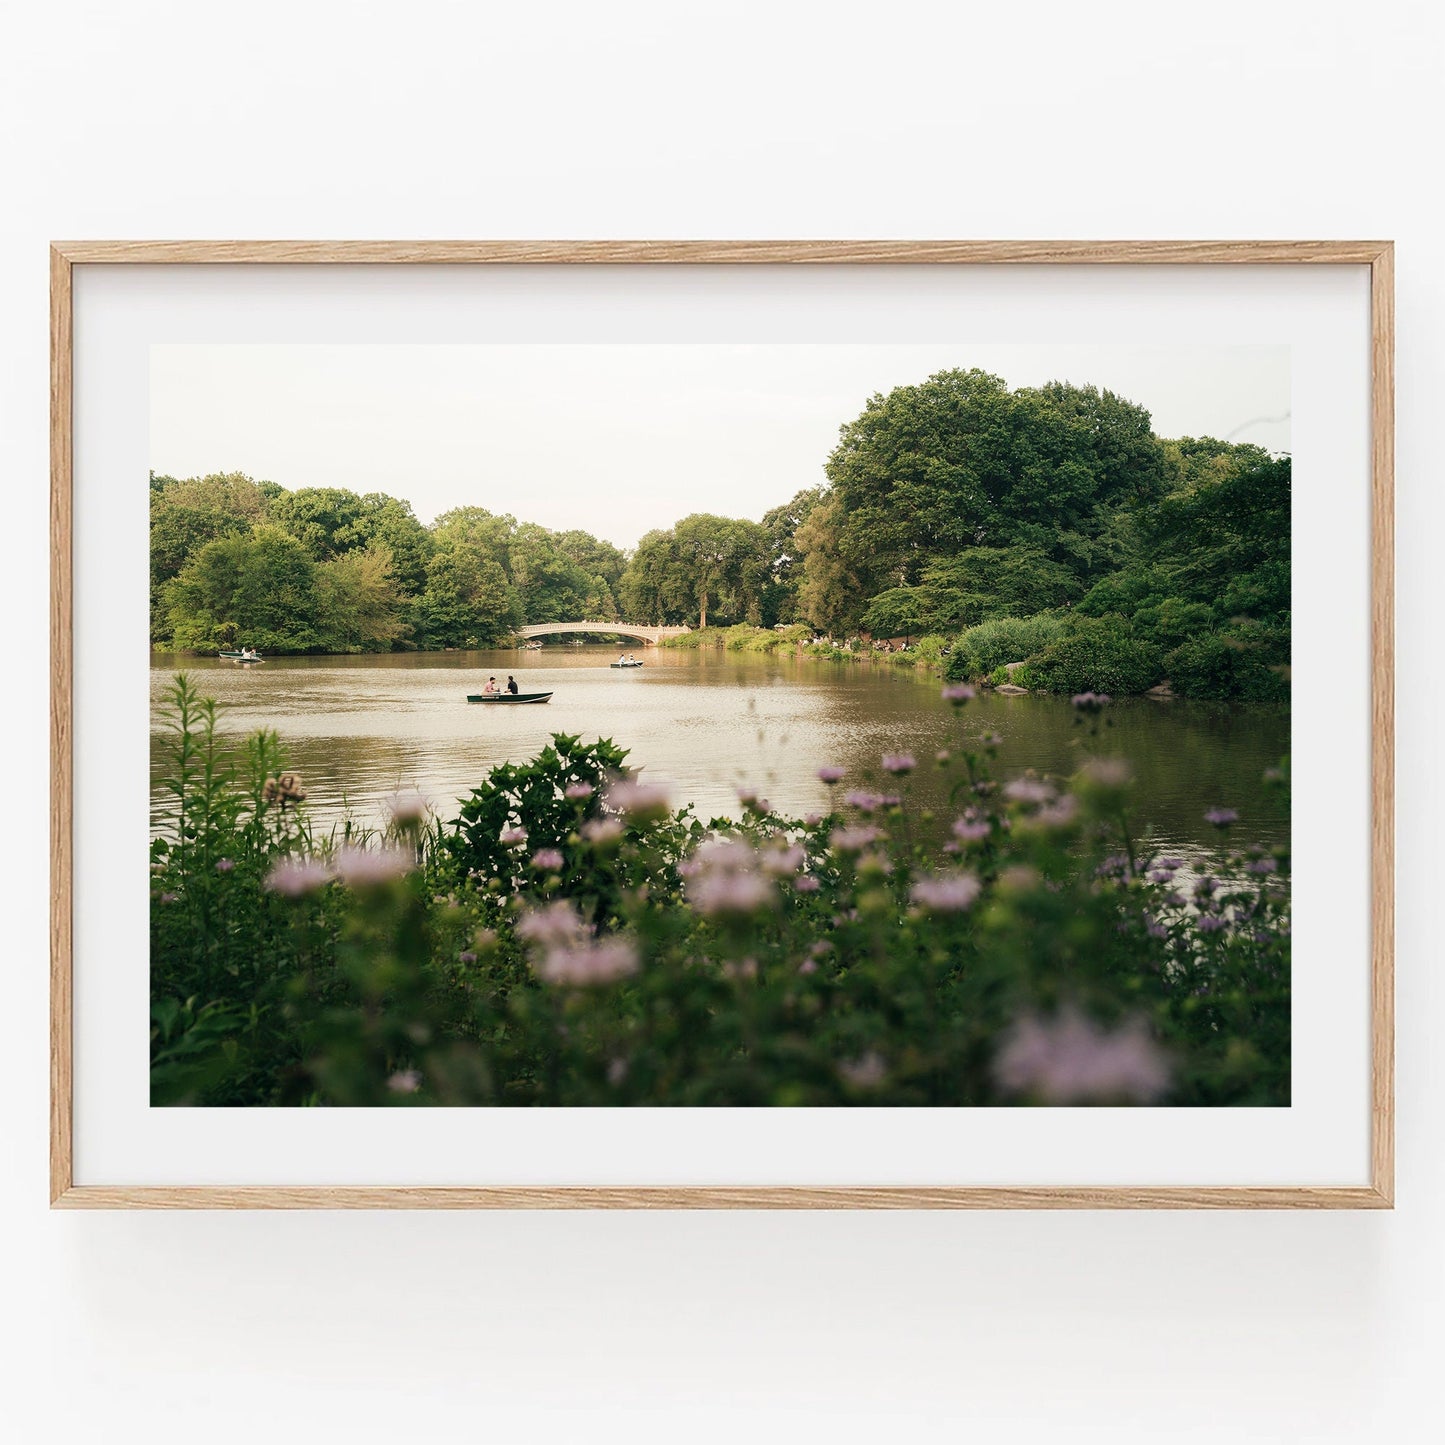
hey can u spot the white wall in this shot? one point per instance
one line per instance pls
(754, 119)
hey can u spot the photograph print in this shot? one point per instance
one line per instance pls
(659, 725)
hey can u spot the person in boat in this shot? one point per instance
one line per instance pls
(621, 658)
(491, 686)
(248, 652)
(511, 684)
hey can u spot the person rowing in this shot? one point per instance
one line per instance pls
(511, 684)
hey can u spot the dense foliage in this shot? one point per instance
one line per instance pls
(1045, 526)
(236, 562)
(570, 939)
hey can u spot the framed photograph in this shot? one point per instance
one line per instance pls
(804, 724)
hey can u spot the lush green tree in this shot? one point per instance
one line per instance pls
(1227, 540)
(960, 462)
(780, 592)
(390, 522)
(184, 516)
(327, 521)
(552, 587)
(705, 569)
(358, 602)
(831, 592)
(654, 588)
(256, 590)
(978, 584)
(468, 601)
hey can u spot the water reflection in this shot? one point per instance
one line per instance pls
(360, 728)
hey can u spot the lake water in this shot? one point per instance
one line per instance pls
(361, 728)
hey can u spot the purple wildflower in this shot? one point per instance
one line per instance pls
(292, 877)
(602, 832)
(466, 956)
(782, 861)
(1069, 1059)
(806, 883)
(408, 806)
(224, 865)
(512, 837)
(578, 792)
(1029, 790)
(853, 840)
(865, 1072)
(1221, 817)
(547, 860)
(899, 762)
(368, 867)
(946, 892)
(958, 693)
(831, 775)
(592, 963)
(404, 1081)
(640, 800)
(971, 829)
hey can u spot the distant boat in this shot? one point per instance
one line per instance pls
(508, 696)
(531, 646)
(626, 664)
(243, 656)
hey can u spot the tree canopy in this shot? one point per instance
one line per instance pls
(1049, 519)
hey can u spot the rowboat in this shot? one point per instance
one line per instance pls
(508, 696)
(241, 657)
(626, 664)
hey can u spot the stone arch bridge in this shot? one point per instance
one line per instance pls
(649, 635)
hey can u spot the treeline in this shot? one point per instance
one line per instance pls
(324, 569)
(1046, 526)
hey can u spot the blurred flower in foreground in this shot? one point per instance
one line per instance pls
(640, 800)
(404, 1081)
(899, 762)
(547, 860)
(601, 832)
(1070, 1059)
(853, 840)
(367, 867)
(294, 876)
(1091, 701)
(565, 950)
(958, 693)
(866, 1072)
(579, 791)
(946, 893)
(1221, 817)
(408, 806)
(725, 878)
(1028, 790)
(830, 775)
(512, 837)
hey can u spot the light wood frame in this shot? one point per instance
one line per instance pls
(1378, 256)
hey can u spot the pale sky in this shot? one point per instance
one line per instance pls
(618, 440)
